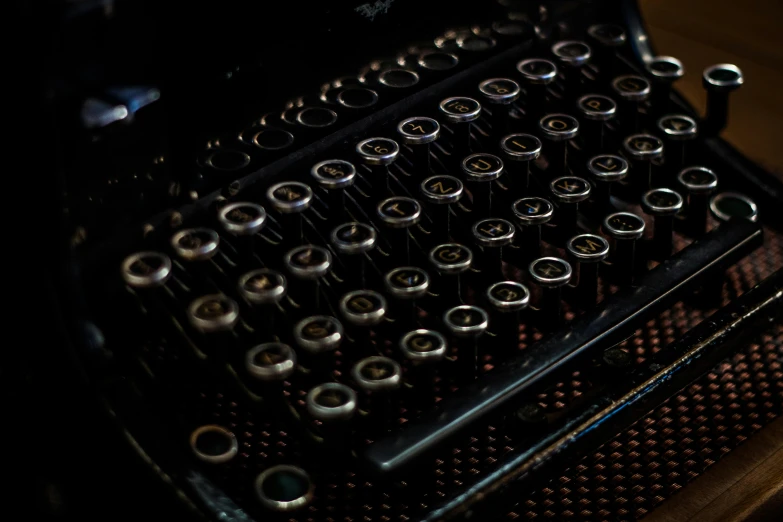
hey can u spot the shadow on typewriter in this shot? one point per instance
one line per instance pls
(420, 292)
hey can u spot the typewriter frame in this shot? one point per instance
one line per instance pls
(682, 362)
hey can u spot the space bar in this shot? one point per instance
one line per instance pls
(611, 322)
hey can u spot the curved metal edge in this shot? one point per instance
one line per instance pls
(661, 377)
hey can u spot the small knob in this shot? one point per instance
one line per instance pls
(719, 80)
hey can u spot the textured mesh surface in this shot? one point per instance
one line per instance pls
(624, 479)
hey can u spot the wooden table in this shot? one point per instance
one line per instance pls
(747, 33)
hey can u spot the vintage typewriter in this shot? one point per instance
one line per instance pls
(391, 261)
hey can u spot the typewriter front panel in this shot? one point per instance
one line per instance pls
(418, 281)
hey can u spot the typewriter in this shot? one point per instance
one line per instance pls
(403, 262)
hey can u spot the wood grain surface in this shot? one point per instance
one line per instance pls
(746, 33)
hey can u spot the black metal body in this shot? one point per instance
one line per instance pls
(137, 420)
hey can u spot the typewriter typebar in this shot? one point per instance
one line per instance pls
(424, 289)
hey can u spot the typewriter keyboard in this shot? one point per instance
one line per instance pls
(364, 300)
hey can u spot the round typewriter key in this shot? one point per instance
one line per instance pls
(632, 92)
(479, 170)
(568, 191)
(482, 167)
(507, 28)
(398, 78)
(225, 160)
(664, 70)
(263, 289)
(587, 251)
(537, 71)
(422, 350)
(213, 444)
(530, 214)
(677, 129)
(596, 109)
(607, 35)
(354, 238)
(308, 261)
(551, 274)
(572, 56)
(330, 402)
(450, 260)
(499, 91)
(606, 170)
(606, 40)
(146, 269)
(362, 310)
(377, 374)
(266, 366)
(418, 132)
(308, 264)
(498, 94)
(334, 175)
(559, 129)
(437, 61)
(272, 139)
(519, 150)
(213, 313)
(357, 98)
(378, 154)
(719, 80)
(441, 192)
(508, 296)
(728, 205)
(242, 218)
(352, 241)
(507, 299)
(474, 43)
(378, 151)
(466, 321)
(492, 235)
(642, 149)
(399, 214)
(699, 183)
(631, 88)
(271, 362)
(195, 244)
(460, 112)
(262, 286)
(466, 324)
(663, 204)
(316, 117)
(318, 334)
(284, 488)
(537, 74)
(363, 307)
(423, 346)
(406, 284)
(290, 197)
(493, 232)
(625, 228)
(572, 53)
(378, 378)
